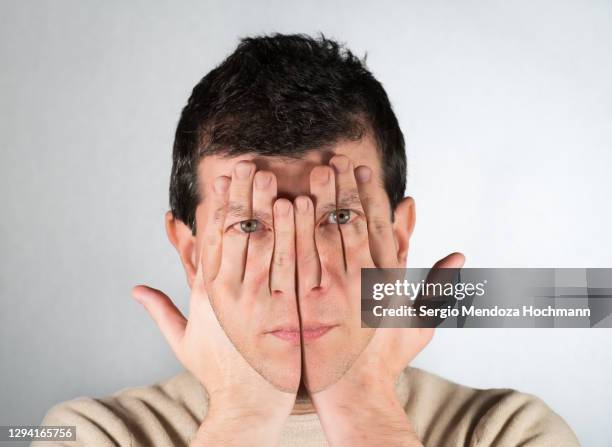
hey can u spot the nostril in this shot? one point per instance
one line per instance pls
(315, 292)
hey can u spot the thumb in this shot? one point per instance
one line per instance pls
(168, 318)
(452, 261)
(443, 272)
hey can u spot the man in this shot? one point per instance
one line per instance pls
(288, 177)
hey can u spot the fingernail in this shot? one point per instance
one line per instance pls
(282, 207)
(302, 205)
(221, 184)
(341, 163)
(243, 170)
(363, 174)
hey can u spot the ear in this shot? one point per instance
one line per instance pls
(403, 225)
(184, 241)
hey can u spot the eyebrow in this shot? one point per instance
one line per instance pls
(349, 199)
(263, 216)
(239, 210)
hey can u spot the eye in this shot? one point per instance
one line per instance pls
(254, 228)
(339, 217)
(249, 226)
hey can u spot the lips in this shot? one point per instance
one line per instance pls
(308, 333)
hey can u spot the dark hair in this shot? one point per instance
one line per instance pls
(283, 95)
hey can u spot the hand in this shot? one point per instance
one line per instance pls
(367, 240)
(244, 407)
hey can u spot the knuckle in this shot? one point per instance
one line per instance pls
(284, 234)
(361, 227)
(308, 257)
(256, 280)
(368, 199)
(348, 196)
(212, 238)
(238, 210)
(218, 215)
(283, 258)
(222, 285)
(378, 226)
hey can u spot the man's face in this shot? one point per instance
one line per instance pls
(326, 319)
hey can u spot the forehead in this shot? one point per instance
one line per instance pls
(292, 174)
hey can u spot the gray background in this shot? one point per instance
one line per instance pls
(506, 108)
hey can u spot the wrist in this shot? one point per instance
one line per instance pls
(369, 382)
(243, 420)
(268, 410)
(236, 427)
(364, 411)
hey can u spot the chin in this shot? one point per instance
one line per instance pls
(328, 360)
(279, 365)
(287, 380)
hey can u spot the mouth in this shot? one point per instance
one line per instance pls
(307, 333)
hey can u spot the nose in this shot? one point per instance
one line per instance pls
(318, 288)
(313, 293)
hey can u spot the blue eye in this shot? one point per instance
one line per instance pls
(249, 226)
(339, 217)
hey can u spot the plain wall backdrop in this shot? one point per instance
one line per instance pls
(507, 112)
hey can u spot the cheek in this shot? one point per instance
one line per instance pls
(327, 240)
(259, 256)
(259, 276)
(355, 236)
(331, 258)
(351, 239)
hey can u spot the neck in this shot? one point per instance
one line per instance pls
(303, 407)
(303, 404)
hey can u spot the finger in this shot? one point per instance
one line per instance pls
(307, 258)
(213, 230)
(445, 271)
(235, 241)
(261, 240)
(327, 235)
(350, 215)
(168, 318)
(454, 260)
(282, 270)
(378, 215)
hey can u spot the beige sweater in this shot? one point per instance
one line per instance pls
(443, 413)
